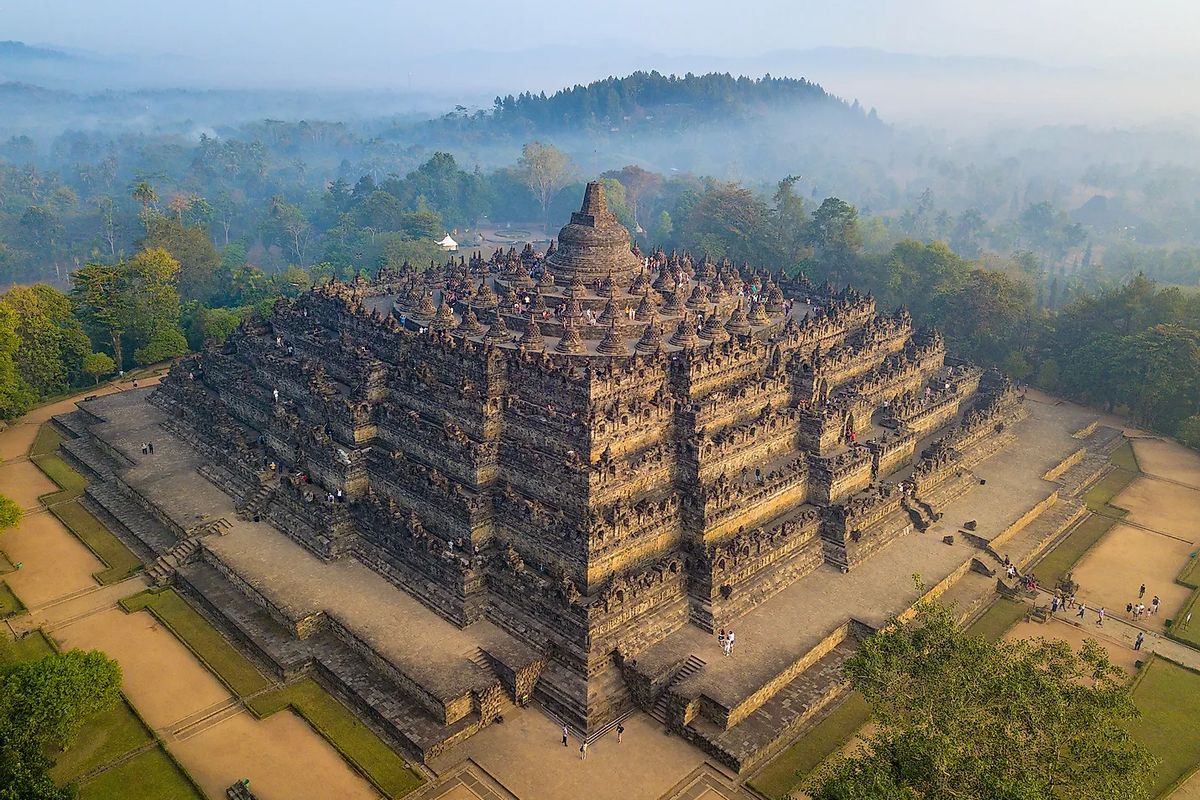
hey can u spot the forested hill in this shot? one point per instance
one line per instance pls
(665, 101)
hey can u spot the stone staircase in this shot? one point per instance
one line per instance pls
(128, 520)
(162, 570)
(84, 454)
(690, 667)
(257, 502)
(921, 513)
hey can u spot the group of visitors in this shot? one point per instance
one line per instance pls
(147, 448)
(725, 640)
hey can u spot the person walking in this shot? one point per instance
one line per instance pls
(1054, 605)
(1153, 603)
(1142, 592)
(564, 732)
(151, 446)
(583, 751)
(1137, 643)
(1100, 616)
(620, 732)
(1082, 608)
(721, 642)
(729, 644)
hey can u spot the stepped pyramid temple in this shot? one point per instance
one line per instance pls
(553, 479)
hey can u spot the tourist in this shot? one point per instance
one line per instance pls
(340, 498)
(1054, 605)
(1100, 616)
(1153, 603)
(150, 447)
(729, 644)
(145, 448)
(1137, 643)
(1142, 592)
(583, 751)
(1129, 610)
(1082, 608)
(721, 640)
(620, 732)
(1139, 610)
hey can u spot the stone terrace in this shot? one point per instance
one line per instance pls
(805, 618)
(299, 590)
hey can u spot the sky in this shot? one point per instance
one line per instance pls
(1088, 60)
(311, 35)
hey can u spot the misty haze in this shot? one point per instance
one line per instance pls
(660, 401)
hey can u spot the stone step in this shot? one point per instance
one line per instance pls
(121, 513)
(777, 721)
(73, 423)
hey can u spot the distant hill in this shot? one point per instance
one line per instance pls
(665, 101)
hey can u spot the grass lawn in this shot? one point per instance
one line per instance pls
(793, 766)
(1105, 489)
(46, 442)
(104, 738)
(100, 540)
(1000, 616)
(1125, 458)
(221, 657)
(1063, 558)
(9, 603)
(151, 775)
(71, 483)
(357, 743)
(31, 647)
(1168, 696)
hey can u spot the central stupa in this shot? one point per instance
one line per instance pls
(594, 244)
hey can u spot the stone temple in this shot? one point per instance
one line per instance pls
(553, 479)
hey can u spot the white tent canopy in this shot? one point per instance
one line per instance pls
(448, 243)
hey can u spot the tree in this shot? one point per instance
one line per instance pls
(144, 194)
(545, 170)
(192, 247)
(10, 513)
(43, 705)
(129, 302)
(166, 342)
(638, 184)
(101, 301)
(52, 342)
(834, 237)
(1189, 432)
(98, 365)
(961, 717)
(15, 396)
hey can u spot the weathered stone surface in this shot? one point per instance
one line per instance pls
(589, 501)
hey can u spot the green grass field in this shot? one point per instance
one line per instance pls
(1063, 558)
(33, 646)
(103, 739)
(1168, 696)
(9, 603)
(357, 743)
(793, 766)
(151, 775)
(120, 560)
(1105, 489)
(221, 657)
(1000, 616)
(46, 442)
(71, 483)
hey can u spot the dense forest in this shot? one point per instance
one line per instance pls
(140, 246)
